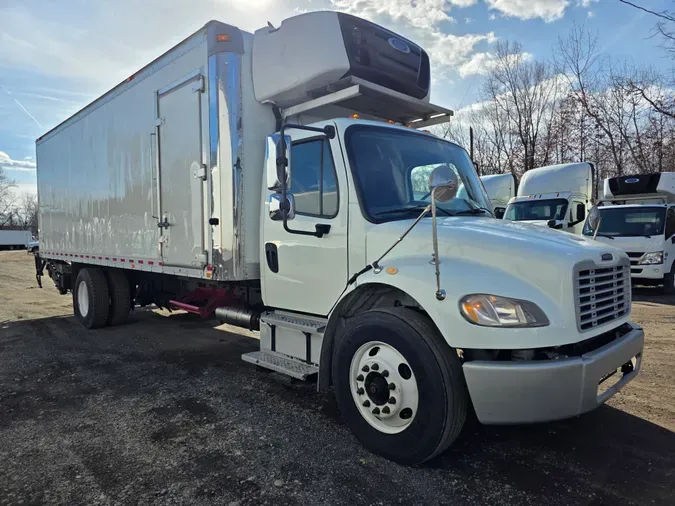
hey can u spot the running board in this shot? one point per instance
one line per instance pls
(281, 363)
(304, 324)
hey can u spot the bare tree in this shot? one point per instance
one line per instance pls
(7, 198)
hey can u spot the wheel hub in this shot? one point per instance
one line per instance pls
(384, 387)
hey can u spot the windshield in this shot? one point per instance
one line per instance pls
(392, 168)
(551, 209)
(629, 221)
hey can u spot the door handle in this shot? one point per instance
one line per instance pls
(272, 256)
(164, 223)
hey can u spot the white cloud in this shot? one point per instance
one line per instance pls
(467, 20)
(548, 10)
(481, 63)
(419, 13)
(25, 165)
(23, 188)
(586, 3)
(591, 14)
(492, 17)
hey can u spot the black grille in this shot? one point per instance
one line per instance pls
(602, 295)
(635, 257)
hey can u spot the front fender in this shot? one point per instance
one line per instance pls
(415, 277)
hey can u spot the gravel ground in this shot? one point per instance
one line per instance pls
(163, 411)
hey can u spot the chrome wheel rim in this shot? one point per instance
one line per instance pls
(83, 298)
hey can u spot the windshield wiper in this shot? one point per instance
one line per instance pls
(605, 235)
(414, 208)
(472, 211)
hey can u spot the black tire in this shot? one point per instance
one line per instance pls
(97, 295)
(669, 281)
(443, 397)
(120, 297)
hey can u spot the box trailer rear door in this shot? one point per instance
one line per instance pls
(181, 173)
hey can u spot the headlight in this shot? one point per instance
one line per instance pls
(494, 311)
(652, 258)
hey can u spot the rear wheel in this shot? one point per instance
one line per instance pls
(90, 298)
(669, 281)
(399, 386)
(120, 297)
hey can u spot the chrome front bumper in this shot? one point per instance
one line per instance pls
(546, 390)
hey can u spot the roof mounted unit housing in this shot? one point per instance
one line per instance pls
(642, 188)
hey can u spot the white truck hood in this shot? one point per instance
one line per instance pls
(486, 255)
(634, 244)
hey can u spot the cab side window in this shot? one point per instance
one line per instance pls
(313, 179)
(670, 222)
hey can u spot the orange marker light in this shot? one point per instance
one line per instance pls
(354, 116)
(222, 38)
(392, 270)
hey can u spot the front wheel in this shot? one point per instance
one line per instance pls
(399, 386)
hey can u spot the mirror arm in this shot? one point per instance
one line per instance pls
(282, 163)
(440, 293)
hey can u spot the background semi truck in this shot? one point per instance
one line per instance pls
(15, 239)
(500, 188)
(274, 180)
(637, 215)
(558, 196)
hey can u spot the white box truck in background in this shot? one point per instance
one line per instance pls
(500, 188)
(637, 215)
(273, 179)
(15, 239)
(558, 196)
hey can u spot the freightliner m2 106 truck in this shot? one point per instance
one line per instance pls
(273, 179)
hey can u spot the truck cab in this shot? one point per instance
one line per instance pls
(637, 215)
(500, 188)
(557, 196)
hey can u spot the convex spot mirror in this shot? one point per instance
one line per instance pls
(275, 207)
(273, 152)
(594, 217)
(581, 213)
(443, 183)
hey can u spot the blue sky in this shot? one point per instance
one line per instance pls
(56, 56)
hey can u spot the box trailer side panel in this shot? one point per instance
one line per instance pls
(130, 162)
(15, 238)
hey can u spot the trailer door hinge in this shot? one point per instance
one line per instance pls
(160, 121)
(198, 87)
(200, 173)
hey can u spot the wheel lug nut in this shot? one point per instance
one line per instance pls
(366, 404)
(391, 400)
(365, 368)
(385, 373)
(392, 386)
(376, 411)
(375, 367)
(360, 391)
(386, 410)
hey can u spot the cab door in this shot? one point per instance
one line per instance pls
(306, 273)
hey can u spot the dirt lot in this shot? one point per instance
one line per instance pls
(163, 411)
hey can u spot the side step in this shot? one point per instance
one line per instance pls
(304, 324)
(280, 363)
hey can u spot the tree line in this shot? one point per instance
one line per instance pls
(579, 105)
(16, 212)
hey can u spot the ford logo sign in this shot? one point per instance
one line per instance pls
(399, 45)
(632, 180)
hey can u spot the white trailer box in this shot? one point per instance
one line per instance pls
(15, 239)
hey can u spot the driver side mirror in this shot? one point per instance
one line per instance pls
(273, 153)
(443, 183)
(581, 213)
(554, 224)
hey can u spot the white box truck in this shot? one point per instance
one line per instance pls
(273, 179)
(15, 239)
(500, 188)
(557, 196)
(637, 215)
